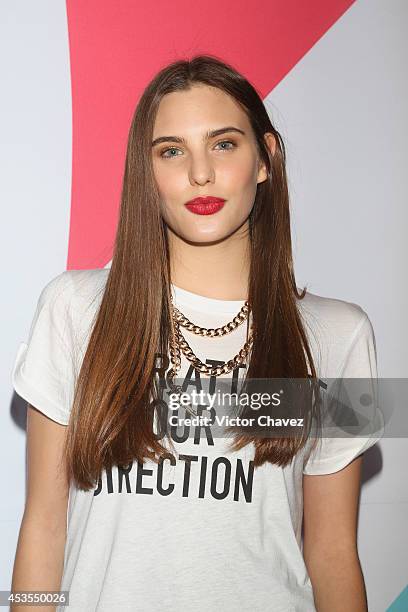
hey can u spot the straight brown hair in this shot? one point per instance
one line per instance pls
(111, 417)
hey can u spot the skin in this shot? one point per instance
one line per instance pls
(219, 242)
(39, 557)
(330, 513)
(202, 167)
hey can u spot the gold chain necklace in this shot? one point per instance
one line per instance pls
(178, 345)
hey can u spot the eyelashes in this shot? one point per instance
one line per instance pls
(230, 142)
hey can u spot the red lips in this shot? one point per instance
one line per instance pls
(205, 205)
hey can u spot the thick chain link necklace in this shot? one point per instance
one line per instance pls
(178, 345)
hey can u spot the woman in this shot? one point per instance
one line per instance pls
(187, 520)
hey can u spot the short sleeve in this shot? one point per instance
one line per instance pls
(43, 371)
(336, 452)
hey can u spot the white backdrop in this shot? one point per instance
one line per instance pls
(342, 113)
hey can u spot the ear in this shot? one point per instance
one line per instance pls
(271, 144)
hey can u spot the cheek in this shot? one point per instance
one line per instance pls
(240, 172)
(170, 184)
(244, 188)
(242, 178)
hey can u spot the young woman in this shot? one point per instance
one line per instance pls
(124, 513)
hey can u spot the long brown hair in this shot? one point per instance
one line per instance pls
(111, 417)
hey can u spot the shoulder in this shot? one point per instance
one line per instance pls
(72, 299)
(332, 314)
(332, 326)
(76, 287)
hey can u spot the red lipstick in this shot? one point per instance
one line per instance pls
(205, 205)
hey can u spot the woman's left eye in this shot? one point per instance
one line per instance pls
(227, 142)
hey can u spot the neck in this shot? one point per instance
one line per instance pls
(218, 270)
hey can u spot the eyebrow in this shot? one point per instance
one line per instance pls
(207, 135)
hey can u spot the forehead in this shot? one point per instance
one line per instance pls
(195, 110)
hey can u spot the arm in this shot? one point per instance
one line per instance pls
(330, 539)
(39, 557)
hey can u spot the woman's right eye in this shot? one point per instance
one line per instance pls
(166, 150)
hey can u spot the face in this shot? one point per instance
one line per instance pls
(188, 163)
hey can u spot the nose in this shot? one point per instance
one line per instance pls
(201, 171)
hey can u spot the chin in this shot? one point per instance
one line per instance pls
(202, 235)
(209, 238)
(206, 232)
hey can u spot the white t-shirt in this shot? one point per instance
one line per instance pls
(209, 532)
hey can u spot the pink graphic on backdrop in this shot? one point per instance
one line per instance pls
(117, 47)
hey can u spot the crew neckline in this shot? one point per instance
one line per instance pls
(202, 303)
